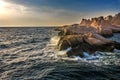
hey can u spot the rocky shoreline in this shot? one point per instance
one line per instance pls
(89, 36)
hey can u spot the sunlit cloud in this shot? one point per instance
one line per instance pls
(17, 14)
(10, 13)
(52, 12)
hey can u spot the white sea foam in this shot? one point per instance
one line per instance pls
(116, 51)
(63, 52)
(87, 56)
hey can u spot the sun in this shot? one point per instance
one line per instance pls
(2, 4)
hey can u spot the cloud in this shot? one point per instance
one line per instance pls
(18, 14)
(54, 12)
(26, 14)
(74, 5)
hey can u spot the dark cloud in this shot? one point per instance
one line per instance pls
(77, 5)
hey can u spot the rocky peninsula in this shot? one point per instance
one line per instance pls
(89, 35)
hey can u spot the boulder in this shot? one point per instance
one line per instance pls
(91, 49)
(69, 41)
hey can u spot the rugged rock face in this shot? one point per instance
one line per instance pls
(95, 22)
(104, 26)
(85, 22)
(88, 35)
(116, 19)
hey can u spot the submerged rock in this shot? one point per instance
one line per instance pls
(89, 35)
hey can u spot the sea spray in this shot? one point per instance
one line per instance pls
(54, 40)
(87, 56)
(63, 52)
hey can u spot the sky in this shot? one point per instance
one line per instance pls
(53, 12)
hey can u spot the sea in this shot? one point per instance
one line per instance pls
(31, 54)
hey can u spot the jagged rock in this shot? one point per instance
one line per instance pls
(74, 40)
(74, 30)
(85, 22)
(88, 35)
(109, 18)
(116, 20)
(96, 39)
(100, 25)
(69, 41)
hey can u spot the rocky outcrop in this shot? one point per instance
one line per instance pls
(115, 20)
(85, 22)
(88, 36)
(104, 26)
(95, 22)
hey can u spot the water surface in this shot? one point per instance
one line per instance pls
(27, 54)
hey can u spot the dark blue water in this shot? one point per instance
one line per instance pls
(27, 54)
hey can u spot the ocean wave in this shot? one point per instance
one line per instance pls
(30, 54)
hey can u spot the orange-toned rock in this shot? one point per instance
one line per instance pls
(109, 18)
(116, 20)
(88, 35)
(75, 40)
(85, 22)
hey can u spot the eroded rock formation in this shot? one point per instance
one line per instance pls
(89, 35)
